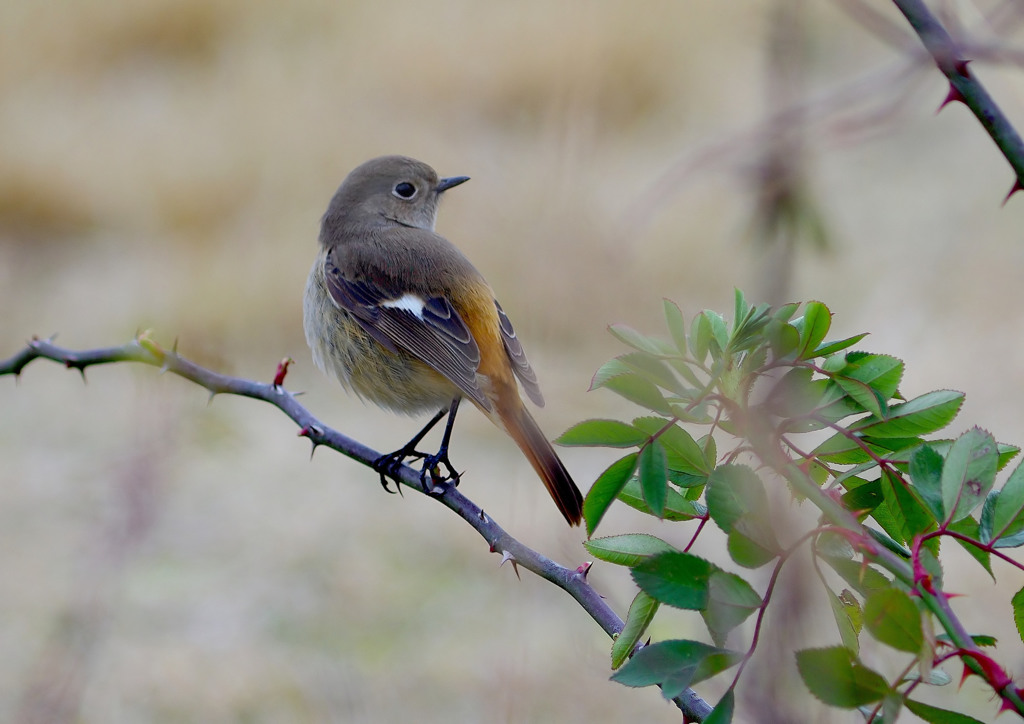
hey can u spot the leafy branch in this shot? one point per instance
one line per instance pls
(146, 351)
(885, 493)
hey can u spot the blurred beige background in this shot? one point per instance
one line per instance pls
(163, 165)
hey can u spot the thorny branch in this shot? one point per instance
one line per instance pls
(146, 351)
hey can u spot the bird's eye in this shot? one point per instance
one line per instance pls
(404, 190)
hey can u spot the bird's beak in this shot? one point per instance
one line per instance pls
(447, 183)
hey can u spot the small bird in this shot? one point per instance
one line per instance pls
(404, 320)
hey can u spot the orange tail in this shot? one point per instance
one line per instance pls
(522, 428)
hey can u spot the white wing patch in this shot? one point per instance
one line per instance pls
(409, 303)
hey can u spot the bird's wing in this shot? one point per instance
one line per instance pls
(431, 329)
(520, 365)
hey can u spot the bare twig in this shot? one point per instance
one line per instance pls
(963, 86)
(146, 351)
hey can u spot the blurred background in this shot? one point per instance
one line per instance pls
(164, 164)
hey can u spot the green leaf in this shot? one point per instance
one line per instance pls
(1008, 509)
(626, 550)
(653, 369)
(892, 618)
(1018, 612)
(676, 324)
(864, 498)
(723, 711)
(675, 665)
(640, 390)
(745, 550)
(734, 491)
(863, 394)
(784, 339)
(969, 473)
(678, 579)
(700, 337)
(677, 507)
(832, 347)
(648, 345)
(926, 474)
(863, 579)
(602, 433)
(920, 416)
(813, 327)
(684, 454)
(880, 371)
(653, 470)
(719, 332)
(911, 515)
(606, 488)
(835, 676)
(611, 368)
(849, 618)
(638, 618)
(935, 715)
(730, 601)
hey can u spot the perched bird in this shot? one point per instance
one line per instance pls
(404, 320)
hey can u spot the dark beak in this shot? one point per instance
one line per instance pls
(447, 183)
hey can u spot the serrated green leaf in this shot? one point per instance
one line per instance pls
(839, 345)
(700, 337)
(1018, 612)
(836, 677)
(849, 618)
(880, 371)
(863, 394)
(638, 618)
(606, 488)
(676, 325)
(683, 452)
(935, 715)
(969, 473)
(654, 370)
(863, 579)
(813, 327)
(640, 390)
(675, 665)
(611, 368)
(626, 550)
(719, 332)
(653, 470)
(1008, 508)
(734, 491)
(892, 618)
(678, 579)
(784, 339)
(677, 507)
(602, 433)
(740, 307)
(637, 340)
(864, 498)
(730, 601)
(925, 469)
(912, 516)
(746, 551)
(920, 416)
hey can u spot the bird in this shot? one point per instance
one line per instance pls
(403, 319)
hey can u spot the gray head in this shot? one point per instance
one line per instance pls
(389, 189)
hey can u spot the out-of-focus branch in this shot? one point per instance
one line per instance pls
(963, 86)
(146, 351)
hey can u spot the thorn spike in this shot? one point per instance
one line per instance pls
(952, 96)
(1016, 187)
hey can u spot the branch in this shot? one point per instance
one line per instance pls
(963, 86)
(146, 351)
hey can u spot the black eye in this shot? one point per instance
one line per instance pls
(404, 190)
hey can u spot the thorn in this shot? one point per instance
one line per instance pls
(953, 95)
(209, 400)
(584, 569)
(481, 515)
(960, 65)
(492, 548)
(282, 371)
(1016, 187)
(506, 556)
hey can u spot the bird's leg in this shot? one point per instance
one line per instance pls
(432, 463)
(387, 465)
